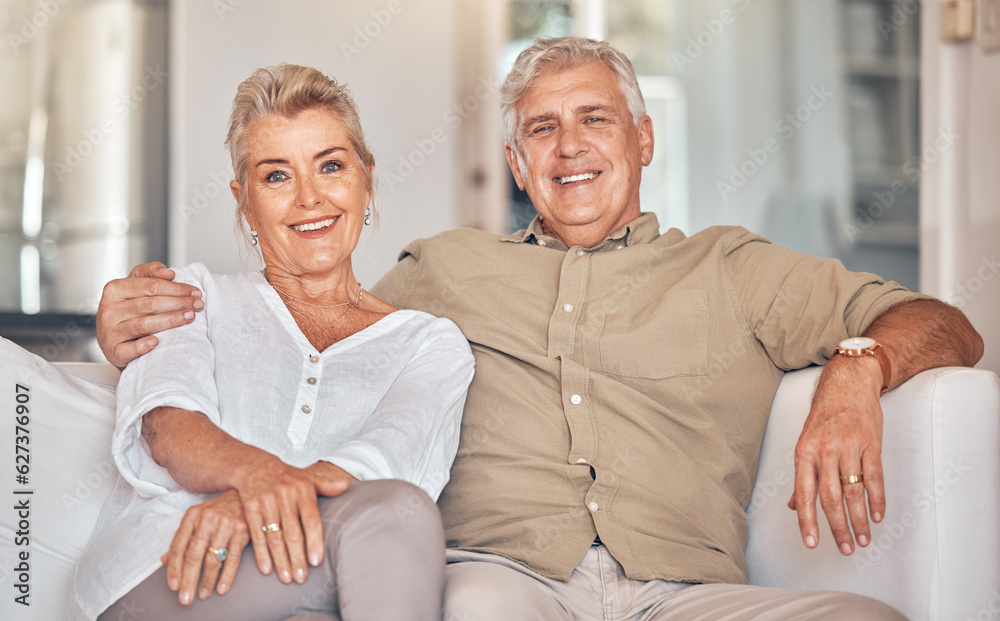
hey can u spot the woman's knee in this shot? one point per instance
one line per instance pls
(391, 504)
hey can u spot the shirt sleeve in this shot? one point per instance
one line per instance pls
(413, 432)
(798, 306)
(179, 373)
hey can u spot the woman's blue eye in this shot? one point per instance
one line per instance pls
(276, 176)
(331, 167)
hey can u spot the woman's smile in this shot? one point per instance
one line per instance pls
(314, 226)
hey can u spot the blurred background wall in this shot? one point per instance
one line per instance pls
(843, 128)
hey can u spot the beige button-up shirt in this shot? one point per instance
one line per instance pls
(622, 390)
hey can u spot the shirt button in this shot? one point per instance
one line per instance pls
(575, 399)
(580, 253)
(592, 506)
(313, 358)
(581, 461)
(306, 409)
(541, 242)
(311, 380)
(568, 308)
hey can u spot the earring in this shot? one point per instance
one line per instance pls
(368, 216)
(253, 237)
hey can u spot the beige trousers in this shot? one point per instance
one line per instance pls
(486, 587)
(384, 560)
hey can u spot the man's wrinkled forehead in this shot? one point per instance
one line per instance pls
(531, 109)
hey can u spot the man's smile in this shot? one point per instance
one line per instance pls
(575, 178)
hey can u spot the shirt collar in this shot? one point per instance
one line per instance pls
(642, 230)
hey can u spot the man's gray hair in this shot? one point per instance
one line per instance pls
(560, 54)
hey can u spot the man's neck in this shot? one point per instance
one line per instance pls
(586, 236)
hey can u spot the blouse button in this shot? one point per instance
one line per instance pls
(580, 253)
(581, 461)
(314, 358)
(592, 506)
(568, 308)
(575, 399)
(306, 409)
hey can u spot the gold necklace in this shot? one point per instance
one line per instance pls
(310, 304)
(353, 304)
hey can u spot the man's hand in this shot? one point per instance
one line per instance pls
(134, 308)
(217, 523)
(843, 434)
(841, 437)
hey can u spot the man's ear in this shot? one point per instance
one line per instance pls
(645, 129)
(514, 166)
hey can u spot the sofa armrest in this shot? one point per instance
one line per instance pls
(936, 555)
(101, 373)
(68, 418)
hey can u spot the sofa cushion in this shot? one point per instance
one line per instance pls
(68, 473)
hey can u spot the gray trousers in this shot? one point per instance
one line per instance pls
(384, 560)
(486, 587)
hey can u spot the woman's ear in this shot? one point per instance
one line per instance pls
(371, 185)
(236, 189)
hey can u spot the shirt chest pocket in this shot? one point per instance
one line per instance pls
(661, 339)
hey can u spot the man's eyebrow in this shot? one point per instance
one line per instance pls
(595, 108)
(541, 118)
(585, 109)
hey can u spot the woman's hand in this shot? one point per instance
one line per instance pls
(218, 524)
(284, 500)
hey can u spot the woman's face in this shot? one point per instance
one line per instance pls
(306, 192)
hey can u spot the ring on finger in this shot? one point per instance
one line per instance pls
(220, 553)
(852, 478)
(273, 527)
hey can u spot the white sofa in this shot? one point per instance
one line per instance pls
(936, 555)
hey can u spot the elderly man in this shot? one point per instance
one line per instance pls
(624, 377)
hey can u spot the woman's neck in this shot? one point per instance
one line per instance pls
(325, 290)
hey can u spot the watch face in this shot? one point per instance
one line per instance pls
(858, 342)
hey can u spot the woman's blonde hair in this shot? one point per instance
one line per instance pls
(288, 90)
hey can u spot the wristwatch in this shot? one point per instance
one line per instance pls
(864, 346)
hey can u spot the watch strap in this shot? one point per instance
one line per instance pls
(878, 353)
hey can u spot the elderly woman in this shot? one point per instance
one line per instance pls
(297, 412)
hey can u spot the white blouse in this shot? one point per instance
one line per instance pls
(385, 402)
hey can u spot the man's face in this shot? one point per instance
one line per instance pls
(579, 155)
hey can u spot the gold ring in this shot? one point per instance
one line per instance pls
(273, 527)
(220, 553)
(852, 478)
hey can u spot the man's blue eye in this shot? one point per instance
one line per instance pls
(276, 176)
